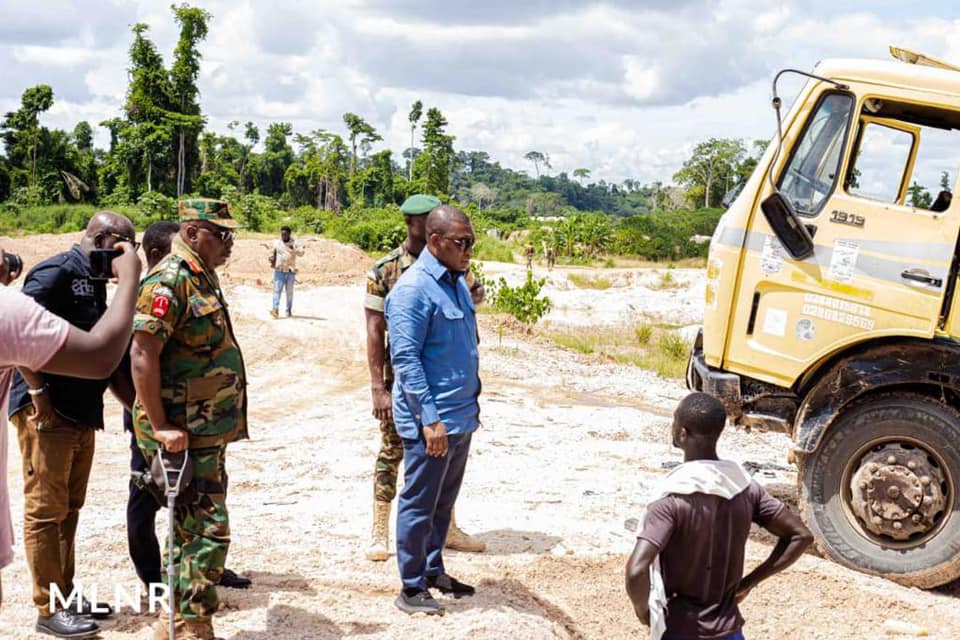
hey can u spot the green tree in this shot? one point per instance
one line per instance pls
(148, 132)
(581, 174)
(711, 167)
(416, 112)
(434, 164)
(185, 93)
(271, 166)
(360, 130)
(538, 159)
(945, 181)
(919, 196)
(22, 130)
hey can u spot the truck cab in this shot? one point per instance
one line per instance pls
(851, 347)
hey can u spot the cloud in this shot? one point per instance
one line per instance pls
(621, 87)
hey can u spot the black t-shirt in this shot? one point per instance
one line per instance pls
(701, 539)
(63, 286)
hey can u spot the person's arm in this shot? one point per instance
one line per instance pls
(161, 308)
(376, 355)
(145, 365)
(793, 540)
(121, 385)
(43, 411)
(96, 354)
(638, 578)
(408, 318)
(477, 290)
(656, 533)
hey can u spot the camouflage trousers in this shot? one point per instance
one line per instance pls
(201, 535)
(388, 463)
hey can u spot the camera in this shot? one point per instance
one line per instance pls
(100, 263)
(14, 264)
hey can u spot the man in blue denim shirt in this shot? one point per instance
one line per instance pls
(433, 348)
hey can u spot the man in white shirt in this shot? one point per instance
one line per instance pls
(284, 262)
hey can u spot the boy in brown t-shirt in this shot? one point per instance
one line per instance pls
(691, 548)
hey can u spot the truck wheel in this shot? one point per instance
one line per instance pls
(881, 491)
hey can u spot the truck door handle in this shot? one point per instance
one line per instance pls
(921, 276)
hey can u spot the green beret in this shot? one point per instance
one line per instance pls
(215, 211)
(419, 204)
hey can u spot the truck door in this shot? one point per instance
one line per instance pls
(880, 266)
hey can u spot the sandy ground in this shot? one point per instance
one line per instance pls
(569, 452)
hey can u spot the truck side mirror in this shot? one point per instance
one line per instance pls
(787, 226)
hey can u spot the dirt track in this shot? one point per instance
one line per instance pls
(570, 449)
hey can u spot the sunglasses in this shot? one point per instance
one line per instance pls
(225, 235)
(123, 238)
(463, 243)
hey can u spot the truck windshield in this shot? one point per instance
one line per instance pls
(814, 166)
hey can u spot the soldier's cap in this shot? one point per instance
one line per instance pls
(419, 204)
(208, 210)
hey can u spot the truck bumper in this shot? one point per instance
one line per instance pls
(722, 385)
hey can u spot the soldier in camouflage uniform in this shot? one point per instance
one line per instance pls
(191, 395)
(380, 280)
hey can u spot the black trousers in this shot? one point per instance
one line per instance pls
(141, 514)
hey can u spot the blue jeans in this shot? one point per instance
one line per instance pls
(423, 511)
(283, 280)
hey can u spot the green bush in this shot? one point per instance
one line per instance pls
(155, 206)
(522, 302)
(665, 235)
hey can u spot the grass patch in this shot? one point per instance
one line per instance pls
(667, 281)
(488, 248)
(644, 332)
(642, 345)
(587, 282)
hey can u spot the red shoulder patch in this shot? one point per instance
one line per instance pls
(160, 306)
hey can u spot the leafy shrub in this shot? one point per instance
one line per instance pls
(154, 206)
(522, 302)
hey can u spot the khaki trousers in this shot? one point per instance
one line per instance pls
(56, 467)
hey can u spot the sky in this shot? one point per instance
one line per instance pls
(624, 88)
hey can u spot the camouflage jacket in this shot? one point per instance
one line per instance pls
(202, 376)
(380, 280)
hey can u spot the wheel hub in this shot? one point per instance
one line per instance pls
(897, 492)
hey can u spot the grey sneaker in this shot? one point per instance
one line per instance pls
(412, 601)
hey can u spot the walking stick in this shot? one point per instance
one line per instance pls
(173, 467)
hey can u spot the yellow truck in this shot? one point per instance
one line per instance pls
(832, 310)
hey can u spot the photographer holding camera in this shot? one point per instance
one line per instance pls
(31, 336)
(55, 417)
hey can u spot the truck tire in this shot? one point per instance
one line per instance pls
(881, 492)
